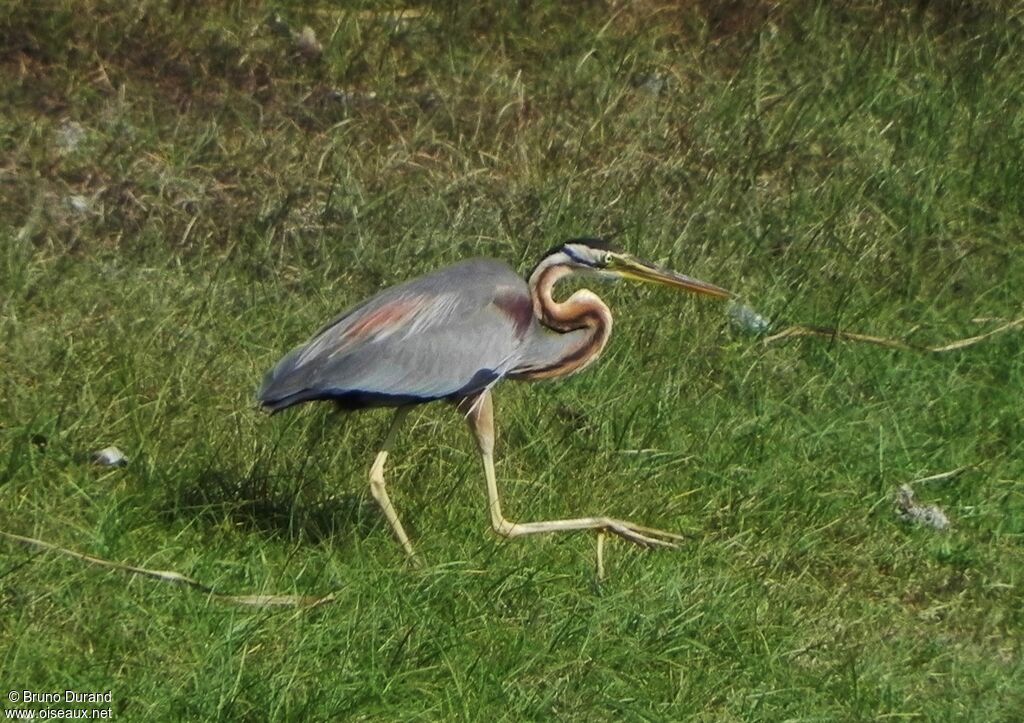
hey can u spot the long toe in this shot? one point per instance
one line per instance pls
(639, 536)
(652, 532)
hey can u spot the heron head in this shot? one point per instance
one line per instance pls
(608, 260)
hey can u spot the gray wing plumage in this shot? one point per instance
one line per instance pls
(444, 335)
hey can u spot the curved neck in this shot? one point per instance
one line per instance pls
(582, 313)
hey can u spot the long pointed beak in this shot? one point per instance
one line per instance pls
(630, 267)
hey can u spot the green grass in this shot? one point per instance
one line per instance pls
(857, 165)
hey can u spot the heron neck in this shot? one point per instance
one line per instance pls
(568, 315)
(582, 321)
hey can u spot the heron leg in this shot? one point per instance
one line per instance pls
(480, 415)
(377, 488)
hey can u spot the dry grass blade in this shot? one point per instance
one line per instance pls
(176, 578)
(799, 331)
(396, 14)
(981, 337)
(942, 476)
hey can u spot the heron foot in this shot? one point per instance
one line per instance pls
(640, 535)
(637, 534)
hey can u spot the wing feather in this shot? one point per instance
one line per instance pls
(446, 334)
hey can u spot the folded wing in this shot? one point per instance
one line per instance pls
(445, 335)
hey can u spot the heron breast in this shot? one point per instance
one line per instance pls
(518, 308)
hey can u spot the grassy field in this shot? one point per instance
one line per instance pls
(190, 190)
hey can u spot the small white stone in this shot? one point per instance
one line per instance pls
(70, 135)
(910, 511)
(79, 204)
(110, 457)
(308, 45)
(748, 320)
(651, 83)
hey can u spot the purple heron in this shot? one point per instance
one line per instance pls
(455, 333)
